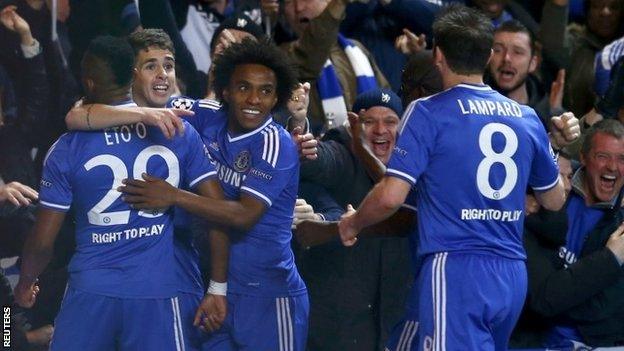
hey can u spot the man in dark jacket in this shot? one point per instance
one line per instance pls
(575, 256)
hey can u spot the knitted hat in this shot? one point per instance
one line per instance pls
(378, 97)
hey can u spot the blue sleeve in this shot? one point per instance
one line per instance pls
(415, 144)
(55, 190)
(185, 103)
(198, 165)
(544, 168)
(274, 162)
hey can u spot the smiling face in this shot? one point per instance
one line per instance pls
(380, 129)
(512, 60)
(604, 168)
(250, 95)
(154, 77)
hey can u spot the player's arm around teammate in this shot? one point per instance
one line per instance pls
(100, 116)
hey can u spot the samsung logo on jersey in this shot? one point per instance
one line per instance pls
(229, 176)
(567, 256)
(489, 108)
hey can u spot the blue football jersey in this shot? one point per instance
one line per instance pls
(263, 163)
(120, 252)
(471, 152)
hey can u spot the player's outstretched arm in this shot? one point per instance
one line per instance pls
(38, 250)
(313, 233)
(99, 116)
(552, 199)
(380, 203)
(155, 193)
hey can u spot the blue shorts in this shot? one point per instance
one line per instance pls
(462, 302)
(194, 338)
(263, 323)
(95, 322)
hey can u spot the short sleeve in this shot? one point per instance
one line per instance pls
(55, 186)
(544, 168)
(198, 164)
(274, 163)
(417, 134)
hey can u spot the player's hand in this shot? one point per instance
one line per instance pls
(555, 99)
(167, 119)
(346, 227)
(26, 295)
(18, 194)
(303, 211)
(408, 43)
(564, 129)
(531, 205)
(616, 243)
(211, 313)
(306, 144)
(299, 101)
(153, 193)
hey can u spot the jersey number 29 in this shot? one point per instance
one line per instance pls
(96, 214)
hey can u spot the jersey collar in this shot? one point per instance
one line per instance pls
(248, 134)
(483, 87)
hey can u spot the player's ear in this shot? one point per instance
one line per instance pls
(89, 85)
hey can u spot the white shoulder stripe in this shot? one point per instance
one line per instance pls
(270, 151)
(209, 102)
(277, 145)
(265, 145)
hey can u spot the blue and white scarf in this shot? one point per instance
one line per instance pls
(329, 87)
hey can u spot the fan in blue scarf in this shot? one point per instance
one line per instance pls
(329, 87)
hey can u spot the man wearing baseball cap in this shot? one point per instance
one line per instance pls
(350, 161)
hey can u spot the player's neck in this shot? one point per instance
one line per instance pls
(451, 79)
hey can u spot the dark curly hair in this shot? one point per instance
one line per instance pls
(255, 52)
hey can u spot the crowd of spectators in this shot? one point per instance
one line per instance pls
(371, 57)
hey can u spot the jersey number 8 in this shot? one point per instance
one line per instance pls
(492, 157)
(96, 214)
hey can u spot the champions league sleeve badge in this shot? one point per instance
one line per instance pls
(182, 103)
(241, 163)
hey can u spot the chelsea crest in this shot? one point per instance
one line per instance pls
(241, 164)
